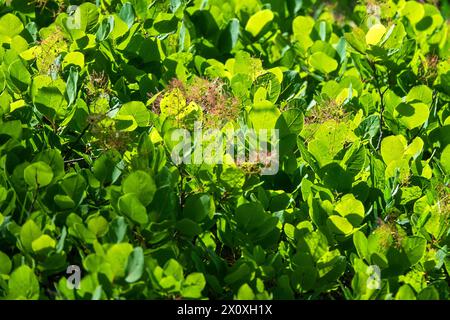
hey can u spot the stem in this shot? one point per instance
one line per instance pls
(181, 186)
(33, 202)
(22, 211)
(382, 106)
(73, 160)
(81, 134)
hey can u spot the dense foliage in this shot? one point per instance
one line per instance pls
(90, 92)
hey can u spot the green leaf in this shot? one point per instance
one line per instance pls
(229, 36)
(135, 265)
(361, 245)
(420, 93)
(53, 158)
(445, 159)
(43, 244)
(10, 25)
(264, 115)
(141, 184)
(339, 225)
(412, 115)
(74, 58)
(414, 248)
(188, 228)
(49, 100)
(117, 255)
(12, 129)
(105, 28)
(23, 284)
(290, 122)
(357, 39)
(395, 38)
(413, 10)
(98, 225)
(127, 14)
(193, 286)
(302, 28)
(322, 62)
(415, 148)
(74, 186)
(19, 74)
(130, 206)
(239, 273)
(38, 174)
(28, 233)
(259, 21)
(107, 167)
(198, 207)
(428, 293)
(392, 148)
(405, 293)
(245, 293)
(351, 209)
(173, 269)
(5, 264)
(138, 111)
(269, 82)
(375, 34)
(86, 16)
(117, 229)
(71, 85)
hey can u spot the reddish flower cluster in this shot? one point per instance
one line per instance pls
(264, 159)
(428, 71)
(326, 109)
(219, 107)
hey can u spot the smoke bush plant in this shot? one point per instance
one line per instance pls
(93, 205)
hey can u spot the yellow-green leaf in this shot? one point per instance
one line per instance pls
(375, 33)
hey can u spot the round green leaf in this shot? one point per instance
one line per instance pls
(351, 208)
(28, 233)
(375, 33)
(339, 225)
(392, 148)
(38, 174)
(23, 284)
(198, 207)
(445, 159)
(130, 205)
(73, 58)
(322, 62)
(117, 256)
(420, 93)
(98, 225)
(5, 263)
(43, 243)
(142, 184)
(413, 114)
(302, 28)
(245, 293)
(264, 115)
(413, 10)
(258, 21)
(193, 286)
(10, 25)
(138, 111)
(188, 228)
